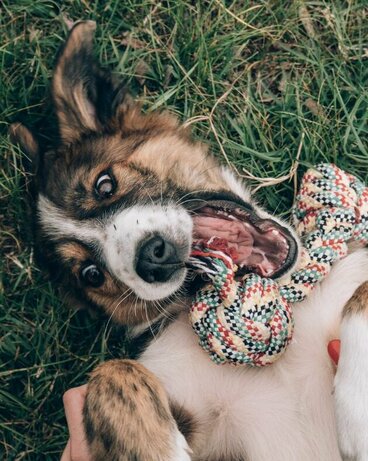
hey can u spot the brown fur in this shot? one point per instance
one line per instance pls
(185, 421)
(20, 134)
(127, 414)
(79, 42)
(358, 303)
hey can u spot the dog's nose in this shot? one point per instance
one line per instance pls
(157, 260)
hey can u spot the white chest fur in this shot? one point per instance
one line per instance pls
(281, 412)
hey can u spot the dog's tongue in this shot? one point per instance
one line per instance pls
(253, 249)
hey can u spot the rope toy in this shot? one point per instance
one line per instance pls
(250, 321)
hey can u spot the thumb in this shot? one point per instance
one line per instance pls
(73, 404)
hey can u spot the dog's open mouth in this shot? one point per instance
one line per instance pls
(260, 245)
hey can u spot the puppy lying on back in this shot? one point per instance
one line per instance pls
(116, 203)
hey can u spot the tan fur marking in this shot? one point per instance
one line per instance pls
(86, 110)
(116, 299)
(72, 251)
(21, 135)
(358, 303)
(132, 120)
(186, 164)
(127, 414)
(80, 37)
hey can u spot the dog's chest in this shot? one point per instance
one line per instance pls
(229, 404)
(281, 412)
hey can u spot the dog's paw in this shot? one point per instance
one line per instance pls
(351, 389)
(127, 415)
(352, 424)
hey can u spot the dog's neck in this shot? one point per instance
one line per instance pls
(140, 336)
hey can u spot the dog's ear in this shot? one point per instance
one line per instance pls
(84, 95)
(21, 135)
(88, 99)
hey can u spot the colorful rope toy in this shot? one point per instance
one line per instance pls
(250, 322)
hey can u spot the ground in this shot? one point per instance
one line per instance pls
(273, 87)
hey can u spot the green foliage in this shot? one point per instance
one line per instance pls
(260, 81)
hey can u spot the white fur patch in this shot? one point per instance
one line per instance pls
(57, 224)
(351, 388)
(235, 185)
(181, 450)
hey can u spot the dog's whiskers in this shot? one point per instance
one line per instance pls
(163, 311)
(121, 299)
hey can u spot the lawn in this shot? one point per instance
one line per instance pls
(272, 86)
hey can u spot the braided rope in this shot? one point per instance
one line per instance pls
(250, 321)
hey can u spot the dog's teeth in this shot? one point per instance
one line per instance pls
(275, 232)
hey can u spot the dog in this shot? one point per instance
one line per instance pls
(119, 200)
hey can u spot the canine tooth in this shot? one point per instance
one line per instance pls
(275, 232)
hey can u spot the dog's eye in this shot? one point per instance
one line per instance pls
(105, 185)
(92, 276)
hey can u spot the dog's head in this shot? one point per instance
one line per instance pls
(122, 195)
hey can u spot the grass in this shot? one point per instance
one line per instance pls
(261, 81)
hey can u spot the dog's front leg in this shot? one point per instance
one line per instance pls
(351, 381)
(127, 416)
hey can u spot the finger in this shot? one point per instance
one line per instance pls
(73, 402)
(66, 453)
(334, 350)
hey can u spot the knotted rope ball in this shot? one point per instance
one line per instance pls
(250, 321)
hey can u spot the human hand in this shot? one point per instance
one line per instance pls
(76, 448)
(333, 349)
